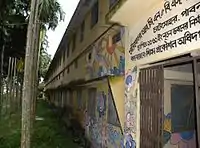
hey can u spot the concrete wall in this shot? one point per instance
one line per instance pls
(90, 35)
(100, 127)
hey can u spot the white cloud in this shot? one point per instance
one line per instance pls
(54, 37)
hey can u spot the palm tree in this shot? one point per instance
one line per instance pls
(44, 15)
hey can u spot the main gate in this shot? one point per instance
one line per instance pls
(151, 106)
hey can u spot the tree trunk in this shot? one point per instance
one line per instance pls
(1, 81)
(11, 86)
(7, 85)
(14, 85)
(36, 67)
(35, 46)
(28, 81)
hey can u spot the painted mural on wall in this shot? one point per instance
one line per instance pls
(131, 94)
(98, 130)
(114, 136)
(130, 78)
(185, 139)
(101, 104)
(107, 57)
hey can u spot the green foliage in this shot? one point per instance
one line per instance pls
(45, 60)
(14, 17)
(48, 133)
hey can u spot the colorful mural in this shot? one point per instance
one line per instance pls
(114, 136)
(131, 92)
(130, 143)
(185, 139)
(101, 103)
(98, 130)
(107, 57)
(130, 78)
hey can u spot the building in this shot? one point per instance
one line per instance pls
(163, 45)
(87, 72)
(158, 103)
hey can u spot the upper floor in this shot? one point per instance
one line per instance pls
(106, 56)
(87, 27)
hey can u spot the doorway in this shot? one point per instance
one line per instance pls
(169, 104)
(179, 127)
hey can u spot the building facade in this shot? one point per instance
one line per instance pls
(144, 76)
(87, 73)
(162, 67)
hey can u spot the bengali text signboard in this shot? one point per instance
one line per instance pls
(174, 29)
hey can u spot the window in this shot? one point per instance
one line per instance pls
(74, 43)
(68, 70)
(71, 98)
(94, 14)
(64, 55)
(82, 31)
(92, 92)
(112, 112)
(113, 3)
(63, 73)
(79, 99)
(182, 115)
(90, 56)
(116, 38)
(76, 64)
(68, 49)
(60, 61)
(67, 97)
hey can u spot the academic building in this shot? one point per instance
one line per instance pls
(130, 70)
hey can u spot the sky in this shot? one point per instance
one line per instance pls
(54, 37)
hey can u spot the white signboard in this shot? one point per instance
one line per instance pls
(172, 30)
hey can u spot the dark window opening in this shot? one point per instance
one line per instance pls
(68, 49)
(82, 31)
(94, 14)
(92, 92)
(74, 43)
(89, 56)
(76, 63)
(183, 114)
(68, 69)
(64, 55)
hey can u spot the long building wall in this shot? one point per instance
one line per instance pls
(83, 78)
(93, 105)
(103, 57)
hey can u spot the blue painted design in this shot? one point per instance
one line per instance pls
(130, 143)
(166, 136)
(122, 65)
(129, 79)
(115, 70)
(187, 135)
(100, 72)
(168, 116)
(101, 104)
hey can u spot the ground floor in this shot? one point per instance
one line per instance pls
(97, 104)
(156, 105)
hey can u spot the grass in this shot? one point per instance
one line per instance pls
(48, 133)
